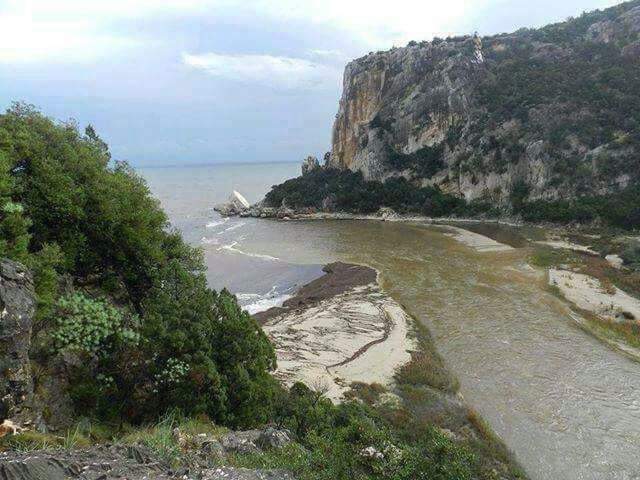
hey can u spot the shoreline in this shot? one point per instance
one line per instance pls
(363, 339)
(596, 325)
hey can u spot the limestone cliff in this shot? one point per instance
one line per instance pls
(554, 111)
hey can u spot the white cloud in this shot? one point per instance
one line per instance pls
(80, 29)
(23, 40)
(278, 72)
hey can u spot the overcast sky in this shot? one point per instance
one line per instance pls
(208, 81)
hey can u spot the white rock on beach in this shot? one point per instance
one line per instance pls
(234, 205)
(568, 246)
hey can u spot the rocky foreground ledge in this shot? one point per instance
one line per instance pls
(137, 462)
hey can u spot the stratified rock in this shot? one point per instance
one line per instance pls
(420, 113)
(17, 308)
(235, 205)
(309, 164)
(37, 468)
(272, 437)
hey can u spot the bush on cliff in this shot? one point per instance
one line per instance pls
(351, 193)
(86, 224)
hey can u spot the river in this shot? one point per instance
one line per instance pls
(565, 404)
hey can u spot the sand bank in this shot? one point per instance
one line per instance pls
(358, 334)
(588, 293)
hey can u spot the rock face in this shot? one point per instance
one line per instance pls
(233, 206)
(436, 114)
(310, 163)
(17, 308)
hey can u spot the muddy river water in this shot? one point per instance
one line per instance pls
(568, 406)
(564, 403)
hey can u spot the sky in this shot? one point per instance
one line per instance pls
(174, 82)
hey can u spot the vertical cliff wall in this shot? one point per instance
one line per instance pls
(549, 113)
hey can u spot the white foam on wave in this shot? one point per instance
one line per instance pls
(210, 241)
(217, 222)
(232, 227)
(232, 248)
(260, 303)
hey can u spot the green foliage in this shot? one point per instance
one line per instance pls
(519, 193)
(352, 440)
(91, 326)
(425, 162)
(44, 266)
(80, 220)
(353, 194)
(631, 255)
(620, 210)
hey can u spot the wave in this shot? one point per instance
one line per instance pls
(232, 227)
(232, 248)
(210, 241)
(260, 303)
(217, 223)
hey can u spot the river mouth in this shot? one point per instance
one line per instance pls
(567, 405)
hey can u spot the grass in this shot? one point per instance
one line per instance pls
(428, 370)
(488, 446)
(426, 366)
(160, 438)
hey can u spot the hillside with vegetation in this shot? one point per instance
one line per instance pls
(541, 124)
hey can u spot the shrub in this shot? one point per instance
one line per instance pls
(66, 212)
(91, 326)
(631, 255)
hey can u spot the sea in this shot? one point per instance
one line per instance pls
(233, 247)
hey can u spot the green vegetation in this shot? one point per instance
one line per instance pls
(118, 289)
(425, 162)
(351, 193)
(631, 255)
(620, 210)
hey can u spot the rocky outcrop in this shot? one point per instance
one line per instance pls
(233, 206)
(427, 112)
(137, 462)
(309, 164)
(17, 308)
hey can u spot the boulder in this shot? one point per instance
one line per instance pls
(17, 308)
(329, 203)
(272, 437)
(387, 213)
(241, 442)
(309, 164)
(235, 205)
